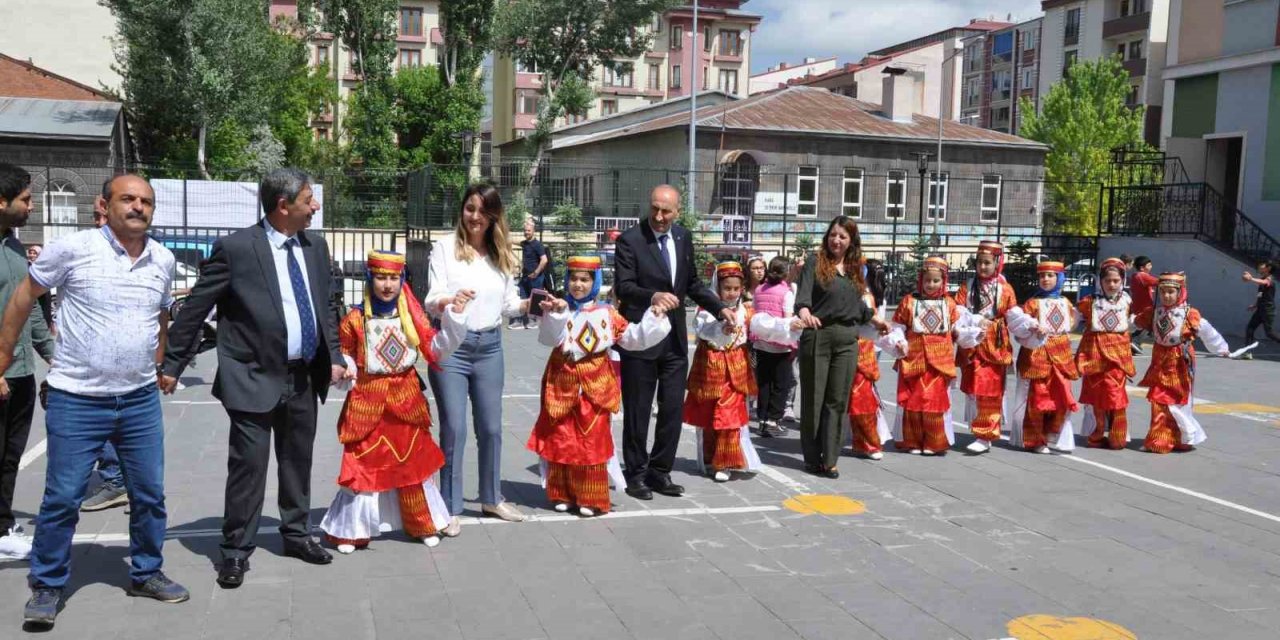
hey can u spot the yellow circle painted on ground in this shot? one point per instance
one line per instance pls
(826, 505)
(1043, 627)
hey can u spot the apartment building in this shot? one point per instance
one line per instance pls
(722, 59)
(1222, 93)
(933, 65)
(1001, 68)
(419, 42)
(1135, 30)
(779, 74)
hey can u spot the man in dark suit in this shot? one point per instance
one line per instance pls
(654, 265)
(277, 354)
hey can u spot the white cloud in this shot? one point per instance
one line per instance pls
(794, 29)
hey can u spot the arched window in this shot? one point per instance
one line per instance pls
(739, 180)
(59, 209)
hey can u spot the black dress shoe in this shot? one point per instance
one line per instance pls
(231, 573)
(309, 552)
(640, 492)
(830, 473)
(666, 487)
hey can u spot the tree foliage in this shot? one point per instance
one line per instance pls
(468, 36)
(567, 40)
(212, 83)
(1083, 119)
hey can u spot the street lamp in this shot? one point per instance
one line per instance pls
(467, 139)
(922, 165)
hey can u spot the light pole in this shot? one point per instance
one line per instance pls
(693, 112)
(922, 165)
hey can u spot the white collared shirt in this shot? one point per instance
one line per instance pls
(108, 313)
(671, 249)
(496, 295)
(289, 304)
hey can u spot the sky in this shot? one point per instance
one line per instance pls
(795, 29)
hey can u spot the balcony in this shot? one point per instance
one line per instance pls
(1135, 67)
(1128, 24)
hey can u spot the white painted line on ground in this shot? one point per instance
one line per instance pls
(521, 396)
(1173, 487)
(107, 538)
(193, 402)
(783, 479)
(32, 454)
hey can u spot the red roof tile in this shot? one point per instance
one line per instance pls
(21, 79)
(815, 111)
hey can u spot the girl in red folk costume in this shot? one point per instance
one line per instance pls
(926, 362)
(1043, 402)
(580, 390)
(720, 379)
(1171, 376)
(1105, 359)
(987, 300)
(388, 456)
(866, 417)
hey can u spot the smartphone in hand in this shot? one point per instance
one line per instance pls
(536, 298)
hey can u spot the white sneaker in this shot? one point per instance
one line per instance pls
(1042, 449)
(875, 455)
(979, 446)
(346, 549)
(431, 541)
(454, 529)
(927, 452)
(384, 527)
(915, 451)
(15, 545)
(561, 507)
(721, 476)
(586, 512)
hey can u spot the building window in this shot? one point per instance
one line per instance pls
(410, 21)
(972, 58)
(60, 203)
(353, 62)
(527, 102)
(1131, 100)
(808, 194)
(1132, 7)
(526, 67)
(322, 54)
(973, 92)
(617, 78)
(896, 195)
(1001, 84)
(991, 198)
(1000, 116)
(410, 58)
(608, 107)
(706, 39)
(739, 181)
(1028, 78)
(1068, 59)
(657, 23)
(938, 196)
(1073, 27)
(677, 37)
(730, 43)
(852, 205)
(1029, 40)
(1135, 50)
(322, 133)
(655, 77)
(675, 76)
(729, 81)
(705, 81)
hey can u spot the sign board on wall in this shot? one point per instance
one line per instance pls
(772, 203)
(211, 203)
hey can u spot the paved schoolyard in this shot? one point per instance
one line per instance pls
(1099, 544)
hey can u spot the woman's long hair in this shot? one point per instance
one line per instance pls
(496, 237)
(826, 268)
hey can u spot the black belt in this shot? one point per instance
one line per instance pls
(296, 365)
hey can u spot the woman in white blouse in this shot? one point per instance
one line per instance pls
(475, 265)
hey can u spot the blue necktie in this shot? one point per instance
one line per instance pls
(302, 298)
(666, 254)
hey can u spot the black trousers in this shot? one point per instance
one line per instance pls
(15, 426)
(774, 378)
(640, 378)
(293, 423)
(1261, 318)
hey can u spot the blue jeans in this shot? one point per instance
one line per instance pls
(526, 285)
(77, 429)
(109, 467)
(475, 372)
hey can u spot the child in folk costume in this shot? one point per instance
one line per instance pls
(923, 327)
(389, 458)
(987, 299)
(580, 390)
(1171, 376)
(720, 379)
(866, 415)
(1043, 403)
(1105, 359)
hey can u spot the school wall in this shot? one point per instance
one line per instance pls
(1213, 277)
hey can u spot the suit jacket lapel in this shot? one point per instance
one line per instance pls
(262, 246)
(677, 244)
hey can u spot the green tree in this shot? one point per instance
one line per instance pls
(428, 115)
(468, 37)
(1083, 118)
(567, 40)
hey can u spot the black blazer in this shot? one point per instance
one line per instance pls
(240, 279)
(640, 272)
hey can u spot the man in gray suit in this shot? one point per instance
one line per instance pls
(277, 354)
